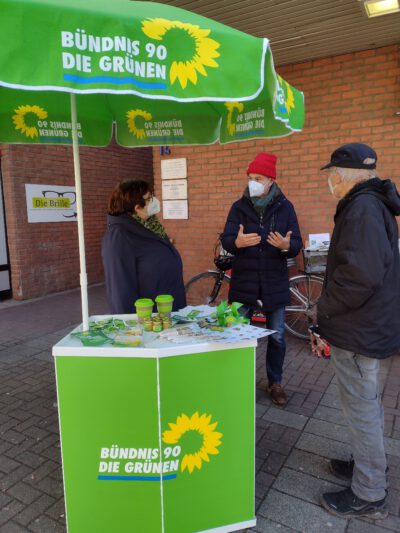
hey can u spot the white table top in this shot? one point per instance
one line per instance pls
(152, 347)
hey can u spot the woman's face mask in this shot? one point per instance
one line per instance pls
(153, 207)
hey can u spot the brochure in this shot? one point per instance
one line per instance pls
(194, 334)
(191, 325)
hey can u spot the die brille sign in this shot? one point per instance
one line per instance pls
(50, 203)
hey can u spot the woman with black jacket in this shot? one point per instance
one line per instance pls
(138, 257)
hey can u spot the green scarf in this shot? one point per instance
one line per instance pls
(152, 224)
(260, 203)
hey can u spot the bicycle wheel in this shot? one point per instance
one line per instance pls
(203, 288)
(305, 291)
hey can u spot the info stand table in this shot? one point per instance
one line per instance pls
(158, 438)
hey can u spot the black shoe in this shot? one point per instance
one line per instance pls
(346, 505)
(342, 469)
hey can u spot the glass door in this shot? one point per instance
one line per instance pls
(5, 286)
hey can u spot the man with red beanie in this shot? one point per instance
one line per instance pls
(262, 232)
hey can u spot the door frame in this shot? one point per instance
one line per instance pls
(4, 267)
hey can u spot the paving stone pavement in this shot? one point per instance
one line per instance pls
(293, 444)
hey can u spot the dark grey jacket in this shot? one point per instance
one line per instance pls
(139, 264)
(359, 309)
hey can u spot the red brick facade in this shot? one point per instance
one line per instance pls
(44, 256)
(352, 97)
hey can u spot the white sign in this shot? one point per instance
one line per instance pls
(174, 190)
(175, 209)
(173, 169)
(50, 203)
(318, 240)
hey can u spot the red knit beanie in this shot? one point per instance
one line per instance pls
(264, 164)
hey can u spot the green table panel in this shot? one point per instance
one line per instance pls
(219, 387)
(105, 402)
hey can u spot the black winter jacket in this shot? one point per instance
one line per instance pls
(260, 272)
(359, 309)
(139, 264)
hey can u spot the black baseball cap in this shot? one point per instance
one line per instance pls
(353, 155)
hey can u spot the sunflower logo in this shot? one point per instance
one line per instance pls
(231, 106)
(22, 117)
(200, 50)
(197, 438)
(132, 115)
(289, 97)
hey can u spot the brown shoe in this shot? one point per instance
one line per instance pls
(277, 394)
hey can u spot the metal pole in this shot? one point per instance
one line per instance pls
(81, 234)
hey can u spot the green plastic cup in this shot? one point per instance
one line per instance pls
(164, 303)
(144, 308)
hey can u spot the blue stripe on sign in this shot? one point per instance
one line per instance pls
(55, 140)
(247, 133)
(167, 138)
(117, 81)
(136, 478)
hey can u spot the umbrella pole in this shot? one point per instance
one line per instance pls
(81, 235)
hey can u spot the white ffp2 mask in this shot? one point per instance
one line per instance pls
(255, 188)
(331, 186)
(153, 207)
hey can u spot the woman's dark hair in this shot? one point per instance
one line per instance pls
(126, 195)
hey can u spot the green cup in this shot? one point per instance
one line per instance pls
(164, 303)
(144, 308)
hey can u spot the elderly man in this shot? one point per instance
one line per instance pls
(359, 314)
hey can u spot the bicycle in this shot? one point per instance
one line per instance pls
(212, 286)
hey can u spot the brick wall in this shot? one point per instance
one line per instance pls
(349, 98)
(44, 256)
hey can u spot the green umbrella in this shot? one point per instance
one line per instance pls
(70, 70)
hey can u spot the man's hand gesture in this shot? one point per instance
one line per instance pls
(246, 239)
(278, 240)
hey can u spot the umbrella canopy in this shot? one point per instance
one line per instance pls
(162, 74)
(71, 70)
